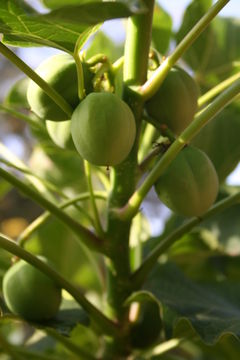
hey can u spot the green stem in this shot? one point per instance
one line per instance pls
(27, 171)
(117, 64)
(13, 159)
(131, 208)
(107, 326)
(140, 275)
(147, 90)
(124, 177)
(25, 235)
(25, 118)
(146, 142)
(96, 59)
(85, 235)
(52, 93)
(80, 75)
(217, 89)
(97, 222)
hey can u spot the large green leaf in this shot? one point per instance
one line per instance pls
(212, 308)
(20, 27)
(23, 26)
(162, 29)
(94, 12)
(54, 4)
(218, 45)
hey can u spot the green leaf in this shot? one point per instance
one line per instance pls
(217, 46)
(71, 259)
(21, 27)
(54, 4)
(103, 44)
(162, 29)
(212, 308)
(93, 13)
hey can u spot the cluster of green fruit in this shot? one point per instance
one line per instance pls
(102, 129)
(102, 126)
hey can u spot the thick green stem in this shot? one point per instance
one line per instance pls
(86, 236)
(217, 89)
(124, 176)
(201, 119)
(107, 326)
(53, 94)
(152, 85)
(140, 275)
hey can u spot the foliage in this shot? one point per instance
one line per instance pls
(135, 112)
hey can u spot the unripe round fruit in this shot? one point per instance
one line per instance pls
(175, 103)
(146, 329)
(189, 186)
(60, 133)
(29, 293)
(103, 129)
(219, 139)
(60, 72)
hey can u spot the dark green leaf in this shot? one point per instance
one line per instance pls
(213, 309)
(162, 29)
(216, 46)
(21, 27)
(104, 45)
(93, 13)
(54, 4)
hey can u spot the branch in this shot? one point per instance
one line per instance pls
(40, 220)
(151, 86)
(140, 275)
(217, 89)
(107, 326)
(84, 235)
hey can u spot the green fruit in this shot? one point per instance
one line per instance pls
(219, 139)
(60, 72)
(145, 330)
(175, 103)
(189, 185)
(60, 133)
(103, 129)
(29, 293)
